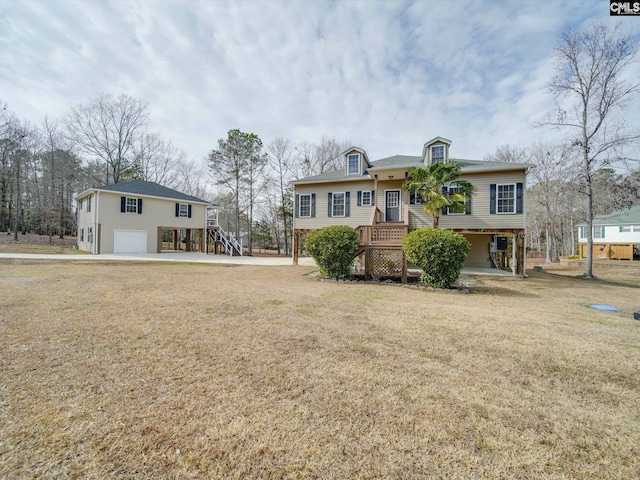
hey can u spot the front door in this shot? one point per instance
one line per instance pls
(392, 206)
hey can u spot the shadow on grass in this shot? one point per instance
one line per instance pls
(566, 280)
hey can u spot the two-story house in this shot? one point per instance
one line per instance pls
(368, 195)
(133, 217)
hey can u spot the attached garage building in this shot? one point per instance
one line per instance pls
(135, 217)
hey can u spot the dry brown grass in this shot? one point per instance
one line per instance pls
(192, 371)
(32, 243)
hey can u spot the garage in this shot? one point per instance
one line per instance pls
(129, 241)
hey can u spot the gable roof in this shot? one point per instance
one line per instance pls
(619, 217)
(151, 189)
(408, 161)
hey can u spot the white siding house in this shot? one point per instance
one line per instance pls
(616, 235)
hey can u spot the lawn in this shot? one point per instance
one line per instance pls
(198, 371)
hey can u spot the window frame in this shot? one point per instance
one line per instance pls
(127, 205)
(636, 228)
(368, 203)
(626, 229)
(455, 190)
(82, 234)
(513, 199)
(344, 204)
(300, 206)
(185, 212)
(356, 157)
(440, 159)
(90, 235)
(601, 232)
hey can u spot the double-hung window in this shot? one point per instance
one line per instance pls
(132, 205)
(82, 234)
(636, 228)
(338, 205)
(366, 198)
(90, 234)
(183, 210)
(353, 164)
(437, 154)
(506, 198)
(451, 191)
(625, 228)
(598, 232)
(305, 206)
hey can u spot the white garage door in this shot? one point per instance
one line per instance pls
(129, 241)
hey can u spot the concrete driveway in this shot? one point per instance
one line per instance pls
(186, 257)
(196, 257)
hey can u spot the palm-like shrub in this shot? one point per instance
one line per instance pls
(439, 253)
(334, 250)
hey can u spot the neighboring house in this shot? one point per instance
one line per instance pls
(134, 217)
(368, 196)
(615, 235)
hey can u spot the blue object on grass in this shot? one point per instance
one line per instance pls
(606, 308)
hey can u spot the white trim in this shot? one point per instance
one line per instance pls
(515, 198)
(444, 153)
(186, 210)
(358, 157)
(399, 203)
(368, 204)
(457, 191)
(126, 204)
(344, 204)
(300, 205)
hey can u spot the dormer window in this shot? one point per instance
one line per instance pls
(437, 154)
(353, 164)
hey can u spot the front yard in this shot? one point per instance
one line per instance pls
(193, 371)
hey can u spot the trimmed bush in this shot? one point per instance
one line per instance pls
(334, 250)
(439, 253)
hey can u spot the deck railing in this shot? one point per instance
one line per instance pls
(382, 235)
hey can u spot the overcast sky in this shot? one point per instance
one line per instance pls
(387, 76)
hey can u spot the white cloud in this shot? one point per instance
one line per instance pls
(385, 75)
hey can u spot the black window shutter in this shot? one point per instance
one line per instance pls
(359, 198)
(177, 209)
(313, 205)
(347, 204)
(297, 206)
(412, 198)
(468, 204)
(139, 206)
(189, 211)
(373, 198)
(519, 198)
(444, 192)
(123, 204)
(492, 198)
(330, 204)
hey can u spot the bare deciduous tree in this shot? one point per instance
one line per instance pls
(108, 129)
(590, 94)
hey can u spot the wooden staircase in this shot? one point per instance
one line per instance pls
(381, 245)
(223, 242)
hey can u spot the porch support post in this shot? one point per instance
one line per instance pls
(159, 240)
(514, 264)
(405, 202)
(175, 239)
(520, 252)
(367, 263)
(296, 242)
(375, 201)
(405, 267)
(187, 240)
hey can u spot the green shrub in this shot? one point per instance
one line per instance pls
(334, 250)
(439, 253)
